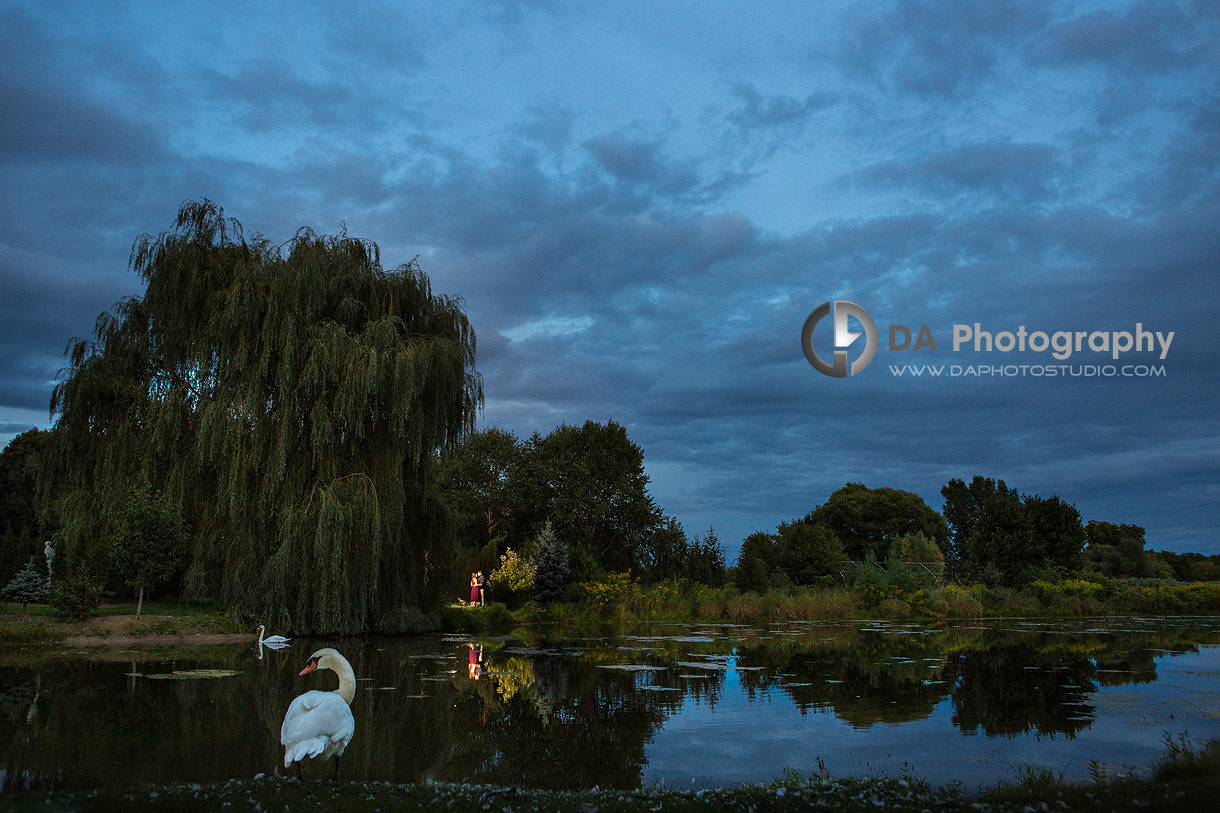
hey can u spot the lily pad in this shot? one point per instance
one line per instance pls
(193, 674)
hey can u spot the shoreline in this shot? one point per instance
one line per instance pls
(1181, 781)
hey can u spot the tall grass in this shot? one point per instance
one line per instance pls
(619, 600)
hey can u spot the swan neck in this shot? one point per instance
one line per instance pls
(347, 680)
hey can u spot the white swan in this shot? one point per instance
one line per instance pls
(270, 639)
(320, 724)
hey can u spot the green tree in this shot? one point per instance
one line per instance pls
(867, 519)
(1118, 551)
(550, 561)
(993, 534)
(475, 478)
(914, 561)
(28, 585)
(590, 479)
(20, 464)
(1057, 529)
(21, 526)
(147, 546)
(291, 400)
(756, 561)
(666, 556)
(809, 554)
(705, 559)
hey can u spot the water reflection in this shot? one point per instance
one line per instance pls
(563, 710)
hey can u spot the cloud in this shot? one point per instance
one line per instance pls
(619, 256)
(780, 110)
(938, 50)
(1018, 172)
(639, 161)
(1148, 36)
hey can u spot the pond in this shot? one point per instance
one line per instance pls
(684, 705)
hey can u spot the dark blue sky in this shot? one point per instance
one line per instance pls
(641, 203)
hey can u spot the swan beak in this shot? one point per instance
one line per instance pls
(309, 667)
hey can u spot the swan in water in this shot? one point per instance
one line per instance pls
(270, 639)
(320, 724)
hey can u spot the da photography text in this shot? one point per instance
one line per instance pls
(1068, 353)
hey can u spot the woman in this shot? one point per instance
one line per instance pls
(474, 588)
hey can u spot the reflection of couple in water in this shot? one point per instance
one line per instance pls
(475, 667)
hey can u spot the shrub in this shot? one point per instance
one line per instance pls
(75, 599)
(961, 602)
(513, 581)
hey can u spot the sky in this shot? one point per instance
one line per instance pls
(641, 203)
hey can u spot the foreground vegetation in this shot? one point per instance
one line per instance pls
(1185, 779)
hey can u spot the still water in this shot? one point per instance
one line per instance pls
(685, 706)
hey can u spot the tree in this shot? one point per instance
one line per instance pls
(867, 519)
(1118, 551)
(147, 546)
(21, 528)
(28, 585)
(291, 400)
(20, 463)
(915, 561)
(705, 559)
(550, 561)
(476, 479)
(666, 557)
(1057, 529)
(998, 535)
(756, 561)
(809, 554)
(590, 479)
(993, 534)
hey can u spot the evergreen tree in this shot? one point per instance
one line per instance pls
(290, 399)
(28, 585)
(705, 560)
(551, 564)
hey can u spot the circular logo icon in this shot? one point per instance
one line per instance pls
(844, 338)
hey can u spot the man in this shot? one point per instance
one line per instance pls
(482, 589)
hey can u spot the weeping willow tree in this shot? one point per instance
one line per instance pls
(289, 400)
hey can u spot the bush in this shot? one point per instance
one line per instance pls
(75, 599)
(513, 581)
(961, 603)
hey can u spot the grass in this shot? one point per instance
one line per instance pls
(621, 602)
(1186, 779)
(35, 623)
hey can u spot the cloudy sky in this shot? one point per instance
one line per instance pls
(641, 203)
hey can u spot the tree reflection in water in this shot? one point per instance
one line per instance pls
(551, 711)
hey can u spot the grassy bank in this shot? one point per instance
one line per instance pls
(1185, 779)
(621, 601)
(35, 623)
